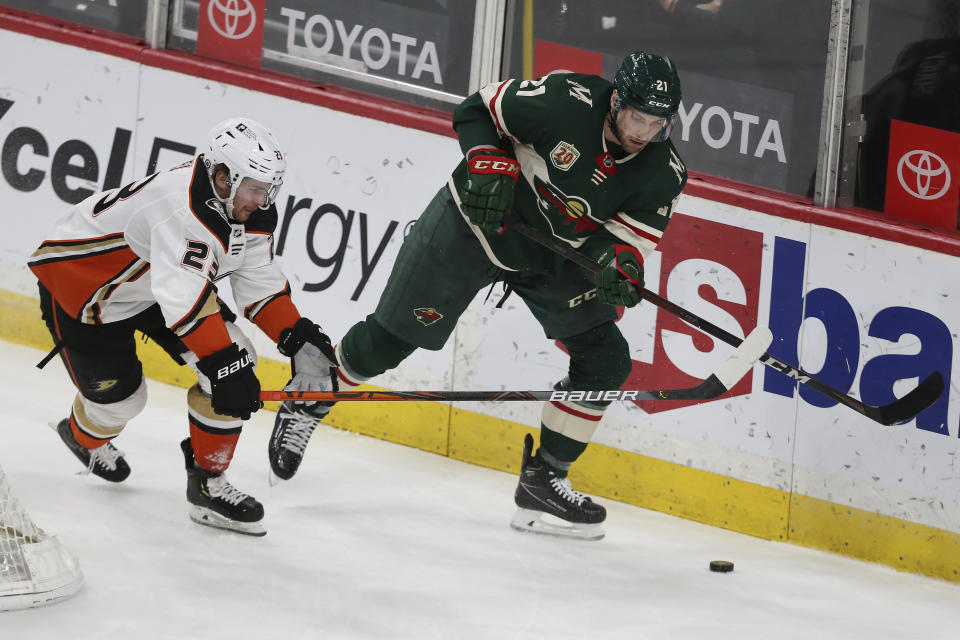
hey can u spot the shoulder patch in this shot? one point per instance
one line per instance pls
(216, 205)
(677, 165)
(201, 199)
(580, 92)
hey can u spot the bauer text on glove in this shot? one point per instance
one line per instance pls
(235, 390)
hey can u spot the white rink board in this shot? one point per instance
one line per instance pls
(385, 174)
(904, 471)
(63, 93)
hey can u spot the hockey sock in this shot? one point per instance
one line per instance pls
(213, 436)
(85, 440)
(89, 431)
(559, 451)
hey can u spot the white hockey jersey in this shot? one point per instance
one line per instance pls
(162, 239)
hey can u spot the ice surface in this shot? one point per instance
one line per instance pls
(377, 540)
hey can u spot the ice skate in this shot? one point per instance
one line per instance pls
(217, 503)
(292, 429)
(105, 461)
(546, 503)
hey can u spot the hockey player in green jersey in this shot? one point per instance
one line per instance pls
(585, 160)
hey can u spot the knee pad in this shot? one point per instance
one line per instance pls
(368, 349)
(237, 336)
(599, 358)
(110, 415)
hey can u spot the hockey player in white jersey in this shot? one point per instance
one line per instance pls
(147, 257)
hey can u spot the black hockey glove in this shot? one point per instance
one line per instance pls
(312, 362)
(620, 280)
(234, 388)
(488, 191)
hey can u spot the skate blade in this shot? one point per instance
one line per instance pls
(543, 523)
(209, 518)
(274, 479)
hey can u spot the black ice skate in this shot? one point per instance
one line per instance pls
(547, 504)
(216, 502)
(105, 461)
(292, 429)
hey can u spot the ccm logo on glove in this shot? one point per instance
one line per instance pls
(493, 164)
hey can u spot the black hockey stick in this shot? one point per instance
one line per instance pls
(899, 411)
(718, 383)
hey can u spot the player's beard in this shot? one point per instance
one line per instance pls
(618, 134)
(620, 149)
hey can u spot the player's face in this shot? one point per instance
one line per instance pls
(637, 128)
(251, 195)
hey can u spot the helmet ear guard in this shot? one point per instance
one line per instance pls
(248, 150)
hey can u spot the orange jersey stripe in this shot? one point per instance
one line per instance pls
(276, 315)
(76, 281)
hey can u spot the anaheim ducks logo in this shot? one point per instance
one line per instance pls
(427, 315)
(567, 210)
(100, 386)
(217, 206)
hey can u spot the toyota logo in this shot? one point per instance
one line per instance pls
(232, 19)
(930, 175)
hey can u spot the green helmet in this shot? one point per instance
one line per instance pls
(649, 83)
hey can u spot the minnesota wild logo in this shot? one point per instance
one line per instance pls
(427, 315)
(571, 212)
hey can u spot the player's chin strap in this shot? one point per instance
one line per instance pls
(612, 119)
(897, 412)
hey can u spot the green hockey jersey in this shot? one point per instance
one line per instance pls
(571, 185)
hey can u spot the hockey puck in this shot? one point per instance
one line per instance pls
(721, 566)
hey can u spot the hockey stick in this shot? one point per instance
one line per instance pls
(718, 383)
(896, 412)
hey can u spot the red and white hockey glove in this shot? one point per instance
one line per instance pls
(620, 280)
(488, 192)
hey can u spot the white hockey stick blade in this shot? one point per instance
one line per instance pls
(746, 355)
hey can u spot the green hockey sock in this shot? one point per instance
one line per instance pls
(559, 451)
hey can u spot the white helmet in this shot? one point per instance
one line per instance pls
(248, 150)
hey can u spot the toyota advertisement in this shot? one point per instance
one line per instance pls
(231, 30)
(421, 43)
(923, 175)
(869, 317)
